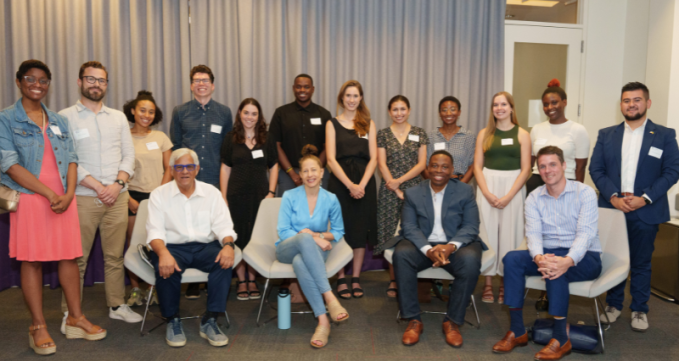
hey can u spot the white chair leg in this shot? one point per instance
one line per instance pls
(261, 303)
(228, 322)
(148, 301)
(476, 312)
(598, 320)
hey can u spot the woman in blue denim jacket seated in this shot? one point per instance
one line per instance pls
(305, 242)
(37, 159)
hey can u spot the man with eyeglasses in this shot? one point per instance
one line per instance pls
(103, 142)
(201, 124)
(189, 226)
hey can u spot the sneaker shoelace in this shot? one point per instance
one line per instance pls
(212, 323)
(638, 316)
(176, 326)
(610, 309)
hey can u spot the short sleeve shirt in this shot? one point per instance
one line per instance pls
(570, 136)
(148, 160)
(295, 126)
(461, 146)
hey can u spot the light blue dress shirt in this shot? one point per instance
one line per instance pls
(294, 214)
(568, 221)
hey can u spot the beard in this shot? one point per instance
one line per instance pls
(89, 95)
(635, 117)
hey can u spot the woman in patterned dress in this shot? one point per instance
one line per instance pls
(401, 156)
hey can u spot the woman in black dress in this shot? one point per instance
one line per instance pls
(247, 155)
(351, 148)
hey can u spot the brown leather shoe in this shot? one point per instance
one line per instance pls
(508, 343)
(553, 351)
(453, 335)
(413, 332)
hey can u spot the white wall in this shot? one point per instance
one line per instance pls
(672, 41)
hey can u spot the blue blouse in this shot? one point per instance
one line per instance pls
(294, 214)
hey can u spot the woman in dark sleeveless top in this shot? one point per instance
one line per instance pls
(351, 146)
(501, 168)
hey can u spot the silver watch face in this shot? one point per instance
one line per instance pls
(320, 234)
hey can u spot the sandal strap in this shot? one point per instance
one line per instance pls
(73, 322)
(241, 282)
(36, 327)
(44, 341)
(321, 334)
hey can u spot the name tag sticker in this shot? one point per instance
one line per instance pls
(316, 121)
(214, 128)
(81, 134)
(507, 141)
(152, 146)
(55, 129)
(540, 141)
(365, 136)
(655, 152)
(413, 137)
(439, 146)
(257, 154)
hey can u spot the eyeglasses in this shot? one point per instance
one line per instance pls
(451, 109)
(181, 167)
(199, 81)
(32, 80)
(92, 80)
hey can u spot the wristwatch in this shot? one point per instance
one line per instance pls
(121, 182)
(320, 234)
(233, 246)
(648, 201)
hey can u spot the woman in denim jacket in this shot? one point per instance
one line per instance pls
(37, 159)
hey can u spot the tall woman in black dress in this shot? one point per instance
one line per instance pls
(351, 148)
(247, 155)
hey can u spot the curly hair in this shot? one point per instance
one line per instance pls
(31, 64)
(260, 127)
(132, 104)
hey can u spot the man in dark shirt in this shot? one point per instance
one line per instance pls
(200, 125)
(295, 125)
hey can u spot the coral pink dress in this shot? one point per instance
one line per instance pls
(35, 232)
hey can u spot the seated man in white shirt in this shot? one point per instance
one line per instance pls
(189, 226)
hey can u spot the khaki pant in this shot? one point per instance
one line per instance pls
(112, 225)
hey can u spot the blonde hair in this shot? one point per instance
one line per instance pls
(489, 134)
(362, 118)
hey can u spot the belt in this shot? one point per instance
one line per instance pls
(627, 194)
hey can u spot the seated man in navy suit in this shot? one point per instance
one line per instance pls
(634, 164)
(439, 228)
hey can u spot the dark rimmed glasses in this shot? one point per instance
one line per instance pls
(181, 167)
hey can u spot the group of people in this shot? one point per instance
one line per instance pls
(205, 183)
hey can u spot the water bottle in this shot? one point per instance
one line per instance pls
(284, 308)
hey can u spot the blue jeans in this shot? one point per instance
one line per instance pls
(308, 261)
(465, 266)
(641, 238)
(519, 264)
(193, 255)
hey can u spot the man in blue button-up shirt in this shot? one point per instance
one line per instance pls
(201, 124)
(563, 247)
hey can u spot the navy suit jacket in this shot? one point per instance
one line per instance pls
(459, 213)
(654, 176)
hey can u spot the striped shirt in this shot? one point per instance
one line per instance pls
(460, 146)
(568, 221)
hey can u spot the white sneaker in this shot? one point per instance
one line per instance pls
(124, 313)
(613, 314)
(639, 321)
(63, 323)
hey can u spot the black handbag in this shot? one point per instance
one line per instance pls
(584, 339)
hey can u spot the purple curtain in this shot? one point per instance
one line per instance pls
(10, 268)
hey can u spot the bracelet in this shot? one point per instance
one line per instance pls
(272, 192)
(288, 170)
(233, 246)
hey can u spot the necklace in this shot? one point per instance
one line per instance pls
(401, 134)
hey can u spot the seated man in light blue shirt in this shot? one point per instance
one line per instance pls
(563, 247)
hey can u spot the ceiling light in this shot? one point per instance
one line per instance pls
(542, 3)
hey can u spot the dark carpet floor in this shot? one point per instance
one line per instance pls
(370, 334)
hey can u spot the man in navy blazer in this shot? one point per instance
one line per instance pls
(634, 164)
(439, 228)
